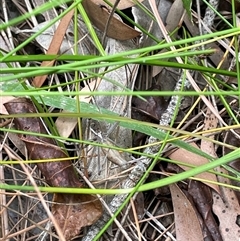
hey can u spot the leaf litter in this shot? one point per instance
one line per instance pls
(66, 208)
(200, 209)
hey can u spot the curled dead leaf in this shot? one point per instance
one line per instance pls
(99, 16)
(72, 212)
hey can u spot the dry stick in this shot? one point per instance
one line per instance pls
(51, 217)
(136, 219)
(160, 225)
(49, 213)
(13, 235)
(3, 200)
(9, 33)
(123, 219)
(207, 22)
(109, 19)
(4, 215)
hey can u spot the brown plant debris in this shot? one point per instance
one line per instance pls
(71, 211)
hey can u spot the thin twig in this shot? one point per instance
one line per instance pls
(109, 19)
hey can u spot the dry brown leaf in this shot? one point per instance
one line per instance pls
(225, 203)
(71, 211)
(123, 4)
(99, 16)
(186, 220)
(226, 208)
(231, 138)
(54, 46)
(188, 157)
(202, 197)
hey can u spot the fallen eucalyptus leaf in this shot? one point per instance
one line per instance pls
(72, 212)
(226, 208)
(202, 197)
(99, 16)
(188, 157)
(187, 224)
